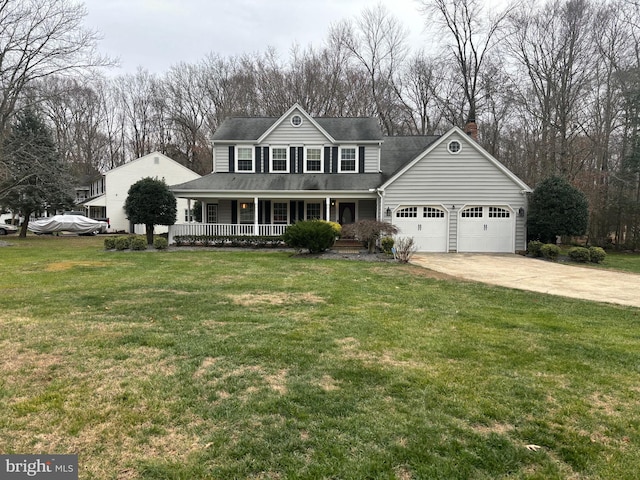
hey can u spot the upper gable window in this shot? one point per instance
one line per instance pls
(313, 159)
(279, 159)
(454, 146)
(296, 120)
(244, 159)
(348, 159)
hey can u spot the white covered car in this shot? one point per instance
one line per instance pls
(67, 223)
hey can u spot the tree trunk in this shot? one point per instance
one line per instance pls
(149, 229)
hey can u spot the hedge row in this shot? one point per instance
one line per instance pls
(551, 251)
(228, 241)
(133, 242)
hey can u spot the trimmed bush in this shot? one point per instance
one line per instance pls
(550, 251)
(579, 254)
(109, 243)
(314, 235)
(597, 254)
(387, 244)
(122, 243)
(534, 247)
(138, 243)
(160, 243)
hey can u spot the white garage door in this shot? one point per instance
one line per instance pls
(486, 229)
(427, 225)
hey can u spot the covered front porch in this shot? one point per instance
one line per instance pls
(269, 217)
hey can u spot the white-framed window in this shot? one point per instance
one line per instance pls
(212, 213)
(296, 120)
(432, 212)
(313, 159)
(454, 146)
(407, 212)
(280, 212)
(472, 212)
(244, 159)
(279, 160)
(246, 212)
(188, 215)
(497, 212)
(348, 159)
(314, 211)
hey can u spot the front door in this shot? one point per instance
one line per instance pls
(347, 213)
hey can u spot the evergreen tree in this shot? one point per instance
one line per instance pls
(557, 208)
(150, 202)
(34, 178)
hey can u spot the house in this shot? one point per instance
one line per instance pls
(109, 192)
(445, 191)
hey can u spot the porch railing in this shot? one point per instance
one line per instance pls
(224, 229)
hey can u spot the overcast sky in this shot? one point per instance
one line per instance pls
(156, 34)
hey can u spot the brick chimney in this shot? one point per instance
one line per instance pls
(471, 129)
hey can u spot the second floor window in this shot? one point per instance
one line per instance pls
(314, 160)
(245, 159)
(348, 159)
(279, 159)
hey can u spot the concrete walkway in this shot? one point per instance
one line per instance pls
(516, 271)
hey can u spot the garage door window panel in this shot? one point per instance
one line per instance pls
(408, 212)
(472, 212)
(431, 212)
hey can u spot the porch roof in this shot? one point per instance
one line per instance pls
(261, 182)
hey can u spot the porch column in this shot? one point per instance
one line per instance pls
(255, 216)
(328, 209)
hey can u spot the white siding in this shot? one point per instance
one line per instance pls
(155, 165)
(463, 179)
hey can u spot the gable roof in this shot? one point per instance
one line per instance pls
(473, 144)
(144, 157)
(255, 129)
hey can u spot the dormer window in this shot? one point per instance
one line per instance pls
(244, 159)
(279, 159)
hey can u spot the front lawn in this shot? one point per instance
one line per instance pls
(244, 364)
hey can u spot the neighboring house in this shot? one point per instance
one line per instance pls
(445, 191)
(109, 192)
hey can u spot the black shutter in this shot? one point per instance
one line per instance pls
(301, 210)
(267, 211)
(300, 159)
(258, 159)
(292, 159)
(232, 158)
(327, 159)
(292, 207)
(234, 212)
(361, 159)
(334, 162)
(266, 159)
(260, 208)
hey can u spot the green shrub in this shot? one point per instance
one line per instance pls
(579, 254)
(337, 228)
(121, 243)
(138, 243)
(597, 254)
(314, 235)
(550, 251)
(534, 248)
(160, 243)
(109, 243)
(387, 244)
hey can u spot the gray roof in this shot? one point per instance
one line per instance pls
(396, 152)
(282, 182)
(341, 129)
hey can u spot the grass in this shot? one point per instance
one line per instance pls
(220, 365)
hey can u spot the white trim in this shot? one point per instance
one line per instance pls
(304, 165)
(471, 144)
(236, 159)
(288, 159)
(340, 149)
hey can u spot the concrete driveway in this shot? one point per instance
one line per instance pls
(516, 271)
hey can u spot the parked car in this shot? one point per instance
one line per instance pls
(67, 223)
(6, 229)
